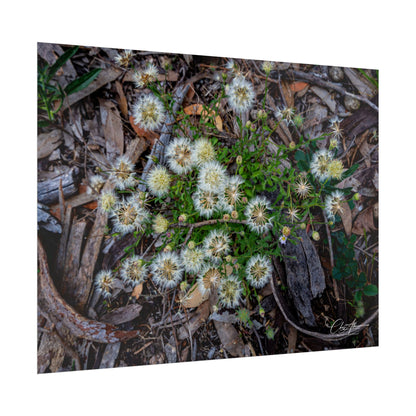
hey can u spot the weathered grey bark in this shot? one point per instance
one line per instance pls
(48, 191)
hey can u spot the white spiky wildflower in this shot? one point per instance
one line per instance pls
(293, 214)
(202, 152)
(319, 164)
(192, 259)
(144, 77)
(231, 194)
(95, 184)
(334, 126)
(158, 181)
(123, 58)
(209, 278)
(240, 94)
(216, 245)
(166, 270)
(104, 283)
(258, 271)
(333, 204)
(229, 292)
(205, 202)
(134, 270)
(107, 201)
(179, 155)
(122, 173)
(285, 113)
(128, 216)
(302, 188)
(257, 214)
(267, 67)
(212, 177)
(149, 112)
(160, 224)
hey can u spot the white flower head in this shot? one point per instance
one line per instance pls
(283, 239)
(240, 94)
(258, 271)
(149, 112)
(128, 216)
(229, 292)
(212, 176)
(320, 162)
(202, 152)
(257, 214)
(95, 184)
(231, 194)
(144, 77)
(122, 173)
(205, 202)
(134, 270)
(267, 67)
(160, 224)
(216, 245)
(209, 278)
(104, 283)
(192, 259)
(107, 201)
(123, 58)
(158, 181)
(302, 188)
(179, 155)
(285, 113)
(167, 269)
(333, 204)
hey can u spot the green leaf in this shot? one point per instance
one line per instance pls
(82, 82)
(299, 155)
(350, 171)
(60, 62)
(370, 290)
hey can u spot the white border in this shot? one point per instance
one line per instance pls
(354, 33)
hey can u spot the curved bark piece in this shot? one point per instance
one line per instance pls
(324, 337)
(64, 315)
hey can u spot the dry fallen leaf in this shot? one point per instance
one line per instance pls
(198, 110)
(149, 135)
(194, 297)
(298, 86)
(346, 218)
(288, 94)
(121, 99)
(364, 221)
(137, 291)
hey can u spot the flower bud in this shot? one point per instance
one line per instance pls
(182, 218)
(234, 215)
(316, 236)
(356, 196)
(167, 248)
(226, 217)
(286, 231)
(292, 145)
(303, 226)
(228, 258)
(191, 245)
(239, 160)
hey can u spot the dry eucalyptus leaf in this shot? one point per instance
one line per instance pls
(198, 110)
(137, 291)
(48, 142)
(364, 221)
(194, 297)
(346, 218)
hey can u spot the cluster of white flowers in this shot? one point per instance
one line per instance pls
(324, 166)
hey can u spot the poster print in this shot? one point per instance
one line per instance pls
(198, 208)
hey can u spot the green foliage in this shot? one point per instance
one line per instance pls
(50, 94)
